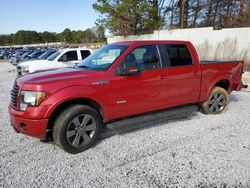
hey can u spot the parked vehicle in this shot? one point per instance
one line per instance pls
(35, 55)
(31, 54)
(118, 81)
(46, 54)
(19, 54)
(62, 58)
(43, 56)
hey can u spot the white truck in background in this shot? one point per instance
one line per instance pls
(68, 57)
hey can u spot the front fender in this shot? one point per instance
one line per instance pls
(74, 92)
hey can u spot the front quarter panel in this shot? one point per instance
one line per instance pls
(74, 92)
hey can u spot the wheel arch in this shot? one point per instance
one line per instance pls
(225, 84)
(221, 82)
(85, 101)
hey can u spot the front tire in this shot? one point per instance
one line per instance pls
(217, 101)
(77, 128)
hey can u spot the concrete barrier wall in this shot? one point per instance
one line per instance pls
(225, 44)
(34, 45)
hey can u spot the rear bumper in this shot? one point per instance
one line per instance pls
(31, 127)
(244, 86)
(238, 87)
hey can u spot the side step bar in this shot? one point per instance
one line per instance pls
(152, 118)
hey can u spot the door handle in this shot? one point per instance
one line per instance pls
(162, 77)
(196, 73)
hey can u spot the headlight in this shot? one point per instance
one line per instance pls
(31, 98)
(24, 70)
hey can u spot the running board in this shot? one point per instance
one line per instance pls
(152, 118)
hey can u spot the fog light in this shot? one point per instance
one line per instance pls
(23, 126)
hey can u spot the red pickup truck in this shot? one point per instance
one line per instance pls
(117, 81)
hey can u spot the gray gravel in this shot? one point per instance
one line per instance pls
(197, 151)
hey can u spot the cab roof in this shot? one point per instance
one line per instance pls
(129, 43)
(79, 48)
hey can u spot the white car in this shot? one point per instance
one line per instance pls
(68, 57)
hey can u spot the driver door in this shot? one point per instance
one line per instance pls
(69, 58)
(143, 92)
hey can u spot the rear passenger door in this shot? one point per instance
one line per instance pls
(84, 54)
(183, 76)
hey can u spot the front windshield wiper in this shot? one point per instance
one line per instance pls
(82, 66)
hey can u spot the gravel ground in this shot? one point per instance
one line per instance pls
(197, 151)
(246, 80)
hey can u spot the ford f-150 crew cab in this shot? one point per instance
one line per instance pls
(62, 58)
(117, 81)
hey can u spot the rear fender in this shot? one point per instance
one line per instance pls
(218, 79)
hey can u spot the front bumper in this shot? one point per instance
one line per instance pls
(31, 127)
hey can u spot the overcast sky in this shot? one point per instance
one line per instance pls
(46, 15)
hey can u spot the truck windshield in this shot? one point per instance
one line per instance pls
(45, 55)
(53, 56)
(103, 58)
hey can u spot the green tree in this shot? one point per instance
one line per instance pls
(128, 17)
(67, 35)
(31, 37)
(100, 32)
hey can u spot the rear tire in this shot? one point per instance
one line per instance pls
(77, 128)
(217, 101)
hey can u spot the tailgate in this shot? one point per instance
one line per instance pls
(236, 76)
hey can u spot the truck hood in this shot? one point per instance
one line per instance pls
(42, 65)
(32, 62)
(58, 76)
(54, 80)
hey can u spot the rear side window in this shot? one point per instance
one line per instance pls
(71, 56)
(179, 55)
(85, 53)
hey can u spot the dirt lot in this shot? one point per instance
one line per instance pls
(196, 151)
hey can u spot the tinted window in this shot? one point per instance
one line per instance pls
(85, 53)
(71, 56)
(179, 55)
(144, 57)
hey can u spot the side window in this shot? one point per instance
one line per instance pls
(85, 53)
(69, 56)
(179, 55)
(144, 57)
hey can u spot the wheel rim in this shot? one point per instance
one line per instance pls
(81, 130)
(217, 103)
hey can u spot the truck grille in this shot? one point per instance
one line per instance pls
(19, 71)
(14, 95)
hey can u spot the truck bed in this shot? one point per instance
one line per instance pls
(218, 62)
(214, 71)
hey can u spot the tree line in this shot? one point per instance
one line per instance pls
(68, 36)
(130, 17)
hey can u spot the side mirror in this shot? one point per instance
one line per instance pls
(127, 71)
